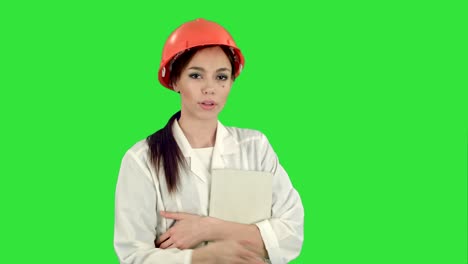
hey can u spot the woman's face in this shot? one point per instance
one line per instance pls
(204, 84)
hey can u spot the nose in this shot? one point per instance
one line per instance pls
(208, 88)
(208, 91)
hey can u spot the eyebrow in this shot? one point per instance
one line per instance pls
(201, 69)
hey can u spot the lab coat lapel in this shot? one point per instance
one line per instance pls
(225, 145)
(195, 165)
(197, 168)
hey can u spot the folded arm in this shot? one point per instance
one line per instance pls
(190, 230)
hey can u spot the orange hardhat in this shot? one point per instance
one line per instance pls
(196, 33)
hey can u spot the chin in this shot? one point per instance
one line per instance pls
(202, 115)
(208, 116)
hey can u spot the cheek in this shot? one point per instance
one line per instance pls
(225, 92)
(187, 92)
(227, 84)
(186, 97)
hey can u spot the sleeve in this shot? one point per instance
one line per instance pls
(283, 233)
(136, 218)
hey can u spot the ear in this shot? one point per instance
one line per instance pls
(175, 88)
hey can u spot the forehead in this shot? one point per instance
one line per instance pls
(213, 57)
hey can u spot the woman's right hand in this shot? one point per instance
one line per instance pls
(227, 252)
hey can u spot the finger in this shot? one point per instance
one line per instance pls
(246, 243)
(166, 244)
(255, 260)
(246, 253)
(258, 261)
(252, 260)
(163, 238)
(251, 247)
(249, 257)
(172, 246)
(174, 216)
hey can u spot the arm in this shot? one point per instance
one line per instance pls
(221, 230)
(283, 233)
(226, 251)
(136, 218)
(190, 230)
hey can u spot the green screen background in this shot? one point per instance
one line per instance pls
(364, 102)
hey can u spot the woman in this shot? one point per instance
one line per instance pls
(164, 181)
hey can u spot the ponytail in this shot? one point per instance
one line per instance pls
(164, 152)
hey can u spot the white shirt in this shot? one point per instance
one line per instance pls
(205, 155)
(141, 195)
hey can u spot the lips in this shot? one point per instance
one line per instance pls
(207, 104)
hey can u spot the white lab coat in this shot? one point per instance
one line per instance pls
(141, 195)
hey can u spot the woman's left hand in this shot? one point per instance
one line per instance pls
(187, 232)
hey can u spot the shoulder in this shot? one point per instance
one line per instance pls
(246, 135)
(250, 139)
(138, 151)
(255, 146)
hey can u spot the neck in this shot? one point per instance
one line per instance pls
(199, 133)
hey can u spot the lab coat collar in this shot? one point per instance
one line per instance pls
(225, 144)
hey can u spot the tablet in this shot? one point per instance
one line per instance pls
(241, 196)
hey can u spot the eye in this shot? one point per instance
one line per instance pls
(195, 76)
(222, 77)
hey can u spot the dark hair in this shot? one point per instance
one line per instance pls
(179, 63)
(163, 149)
